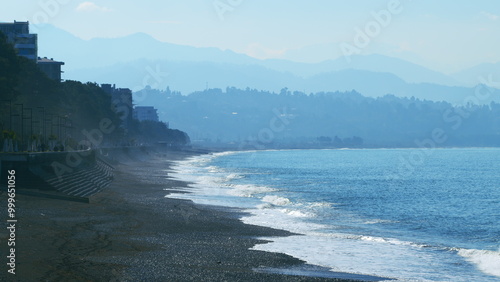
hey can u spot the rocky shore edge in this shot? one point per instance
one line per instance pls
(131, 232)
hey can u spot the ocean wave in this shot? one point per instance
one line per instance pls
(234, 176)
(297, 213)
(201, 160)
(391, 241)
(197, 160)
(190, 165)
(221, 154)
(289, 219)
(374, 239)
(343, 252)
(242, 190)
(321, 205)
(379, 221)
(213, 169)
(265, 206)
(276, 200)
(485, 260)
(209, 180)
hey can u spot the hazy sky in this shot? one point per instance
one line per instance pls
(443, 35)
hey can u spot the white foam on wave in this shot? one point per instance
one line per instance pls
(486, 261)
(386, 257)
(226, 153)
(297, 213)
(197, 163)
(336, 251)
(321, 205)
(366, 255)
(379, 221)
(265, 206)
(276, 200)
(213, 169)
(212, 185)
(354, 256)
(246, 190)
(233, 176)
(391, 241)
(281, 218)
(344, 252)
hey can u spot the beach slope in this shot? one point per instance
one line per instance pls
(132, 232)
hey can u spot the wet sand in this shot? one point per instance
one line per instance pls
(131, 232)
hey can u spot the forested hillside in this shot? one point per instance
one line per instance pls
(34, 107)
(247, 117)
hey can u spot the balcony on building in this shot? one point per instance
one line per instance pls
(50, 67)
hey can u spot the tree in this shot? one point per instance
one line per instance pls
(9, 69)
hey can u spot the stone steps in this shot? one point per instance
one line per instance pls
(84, 182)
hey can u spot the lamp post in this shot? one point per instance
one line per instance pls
(22, 122)
(42, 122)
(30, 124)
(48, 119)
(71, 129)
(31, 119)
(59, 132)
(10, 113)
(62, 120)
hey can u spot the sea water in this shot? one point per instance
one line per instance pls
(409, 214)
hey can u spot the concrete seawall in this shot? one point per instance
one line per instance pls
(75, 175)
(65, 175)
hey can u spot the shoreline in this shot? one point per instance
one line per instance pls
(261, 186)
(130, 231)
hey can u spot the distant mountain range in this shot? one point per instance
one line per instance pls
(138, 60)
(479, 74)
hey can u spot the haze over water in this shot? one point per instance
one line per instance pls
(295, 74)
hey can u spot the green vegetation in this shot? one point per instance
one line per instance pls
(38, 113)
(251, 118)
(150, 131)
